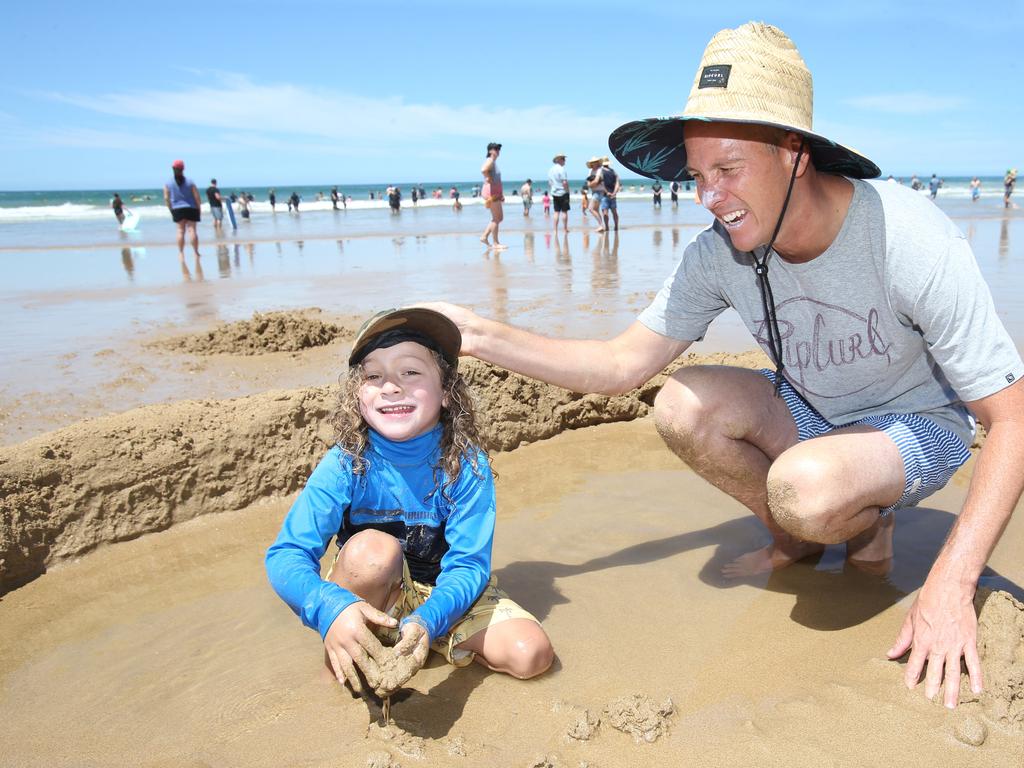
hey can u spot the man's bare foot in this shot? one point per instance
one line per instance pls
(776, 555)
(485, 241)
(500, 247)
(872, 550)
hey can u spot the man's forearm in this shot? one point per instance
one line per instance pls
(604, 367)
(994, 492)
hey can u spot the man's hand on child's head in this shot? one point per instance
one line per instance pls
(350, 644)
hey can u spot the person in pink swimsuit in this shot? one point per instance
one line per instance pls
(493, 196)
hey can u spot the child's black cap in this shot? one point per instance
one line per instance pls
(392, 326)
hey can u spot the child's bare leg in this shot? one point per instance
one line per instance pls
(517, 647)
(370, 566)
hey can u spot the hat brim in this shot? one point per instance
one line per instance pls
(431, 324)
(654, 148)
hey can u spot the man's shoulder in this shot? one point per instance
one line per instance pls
(908, 214)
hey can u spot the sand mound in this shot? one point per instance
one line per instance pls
(118, 477)
(1001, 647)
(266, 332)
(640, 717)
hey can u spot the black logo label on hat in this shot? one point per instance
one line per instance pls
(714, 76)
(1009, 378)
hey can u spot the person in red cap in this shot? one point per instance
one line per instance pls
(181, 197)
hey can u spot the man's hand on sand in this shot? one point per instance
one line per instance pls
(350, 643)
(940, 628)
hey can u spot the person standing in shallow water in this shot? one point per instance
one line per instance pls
(526, 193)
(118, 205)
(181, 197)
(493, 195)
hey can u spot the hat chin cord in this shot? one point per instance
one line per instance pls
(765, 287)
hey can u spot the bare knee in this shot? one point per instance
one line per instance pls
(530, 656)
(802, 500)
(369, 561)
(525, 654)
(687, 408)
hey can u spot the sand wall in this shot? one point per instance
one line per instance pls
(118, 477)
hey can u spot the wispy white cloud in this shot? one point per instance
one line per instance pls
(911, 103)
(236, 103)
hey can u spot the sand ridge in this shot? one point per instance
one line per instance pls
(265, 332)
(117, 477)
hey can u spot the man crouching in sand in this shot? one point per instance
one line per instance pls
(883, 334)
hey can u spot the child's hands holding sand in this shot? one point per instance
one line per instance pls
(404, 660)
(350, 643)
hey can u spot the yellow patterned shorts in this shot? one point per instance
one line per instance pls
(492, 607)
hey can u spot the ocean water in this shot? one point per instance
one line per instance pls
(83, 218)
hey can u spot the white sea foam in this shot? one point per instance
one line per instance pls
(155, 209)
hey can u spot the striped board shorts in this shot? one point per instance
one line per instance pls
(931, 454)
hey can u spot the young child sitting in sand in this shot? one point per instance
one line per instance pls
(409, 494)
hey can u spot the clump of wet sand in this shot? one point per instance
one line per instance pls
(265, 332)
(1001, 648)
(395, 671)
(640, 717)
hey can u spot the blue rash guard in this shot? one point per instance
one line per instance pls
(447, 543)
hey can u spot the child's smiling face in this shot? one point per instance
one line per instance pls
(401, 395)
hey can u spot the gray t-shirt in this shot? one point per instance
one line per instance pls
(556, 180)
(894, 317)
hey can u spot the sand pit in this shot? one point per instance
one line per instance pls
(265, 332)
(177, 636)
(117, 477)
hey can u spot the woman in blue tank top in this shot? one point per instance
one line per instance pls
(181, 197)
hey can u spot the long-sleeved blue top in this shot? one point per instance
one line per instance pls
(447, 543)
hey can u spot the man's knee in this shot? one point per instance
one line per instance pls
(686, 406)
(804, 497)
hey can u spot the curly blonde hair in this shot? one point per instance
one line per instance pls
(460, 433)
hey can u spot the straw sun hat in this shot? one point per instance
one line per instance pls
(751, 74)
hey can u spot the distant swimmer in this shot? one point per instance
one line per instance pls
(975, 189)
(293, 201)
(118, 205)
(1009, 182)
(272, 197)
(933, 186)
(526, 192)
(181, 197)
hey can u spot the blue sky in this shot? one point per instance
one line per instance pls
(256, 93)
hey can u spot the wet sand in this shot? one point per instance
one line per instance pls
(170, 649)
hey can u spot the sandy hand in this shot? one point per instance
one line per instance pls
(397, 665)
(350, 644)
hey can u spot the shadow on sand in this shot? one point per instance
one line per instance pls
(830, 594)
